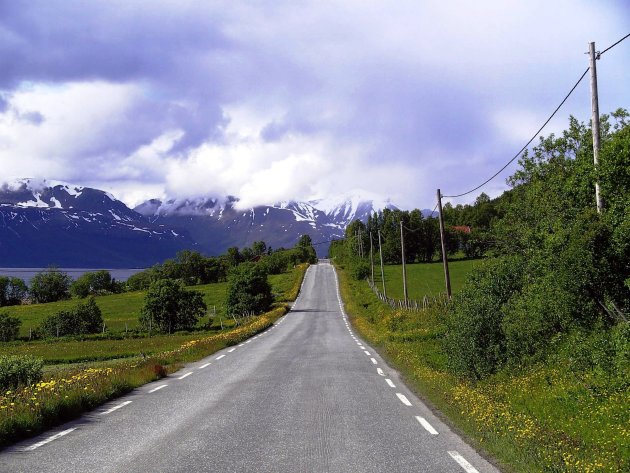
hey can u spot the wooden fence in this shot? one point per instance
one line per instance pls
(410, 304)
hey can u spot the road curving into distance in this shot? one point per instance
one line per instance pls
(307, 395)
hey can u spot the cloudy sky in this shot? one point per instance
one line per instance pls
(275, 100)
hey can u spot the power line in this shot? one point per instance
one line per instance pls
(526, 144)
(613, 45)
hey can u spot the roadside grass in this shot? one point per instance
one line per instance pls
(121, 311)
(65, 394)
(541, 417)
(423, 279)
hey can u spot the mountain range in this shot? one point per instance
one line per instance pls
(46, 223)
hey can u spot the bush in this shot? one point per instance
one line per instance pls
(16, 370)
(12, 291)
(50, 286)
(9, 327)
(474, 340)
(83, 319)
(142, 280)
(360, 270)
(98, 282)
(169, 307)
(248, 290)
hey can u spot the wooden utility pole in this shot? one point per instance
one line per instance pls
(380, 251)
(447, 276)
(371, 258)
(595, 119)
(404, 268)
(360, 242)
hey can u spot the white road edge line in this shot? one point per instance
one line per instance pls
(380, 371)
(219, 357)
(403, 399)
(231, 350)
(373, 360)
(425, 423)
(204, 366)
(462, 462)
(366, 352)
(49, 439)
(158, 388)
(390, 382)
(122, 404)
(184, 375)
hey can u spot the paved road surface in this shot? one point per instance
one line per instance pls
(305, 396)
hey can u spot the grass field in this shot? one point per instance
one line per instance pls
(121, 311)
(423, 279)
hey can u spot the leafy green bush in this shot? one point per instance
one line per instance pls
(474, 340)
(248, 290)
(169, 307)
(360, 270)
(12, 291)
(16, 370)
(83, 319)
(50, 286)
(9, 327)
(142, 280)
(97, 282)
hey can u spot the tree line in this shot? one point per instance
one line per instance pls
(169, 306)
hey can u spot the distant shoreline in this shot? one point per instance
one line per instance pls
(120, 274)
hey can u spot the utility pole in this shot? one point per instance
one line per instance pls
(360, 242)
(380, 250)
(371, 258)
(447, 276)
(404, 268)
(595, 119)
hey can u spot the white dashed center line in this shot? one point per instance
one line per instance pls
(426, 425)
(366, 352)
(380, 371)
(391, 384)
(403, 399)
(373, 360)
(231, 350)
(122, 404)
(462, 462)
(204, 366)
(158, 388)
(184, 375)
(248, 341)
(219, 357)
(49, 439)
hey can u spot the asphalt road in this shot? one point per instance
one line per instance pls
(305, 396)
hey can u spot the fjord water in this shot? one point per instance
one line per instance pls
(120, 274)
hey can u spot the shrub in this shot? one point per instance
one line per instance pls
(83, 319)
(12, 291)
(98, 282)
(9, 327)
(50, 286)
(168, 306)
(142, 280)
(248, 290)
(474, 340)
(16, 370)
(360, 270)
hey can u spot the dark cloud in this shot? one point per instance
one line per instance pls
(415, 85)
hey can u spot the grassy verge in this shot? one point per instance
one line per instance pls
(542, 417)
(65, 394)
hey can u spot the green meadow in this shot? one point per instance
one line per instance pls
(423, 279)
